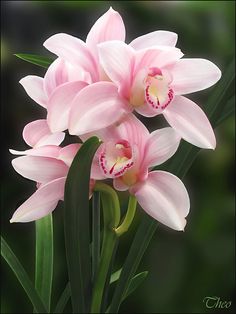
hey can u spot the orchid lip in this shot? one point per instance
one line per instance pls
(116, 158)
(158, 94)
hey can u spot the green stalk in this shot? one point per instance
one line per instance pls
(128, 217)
(111, 218)
(44, 259)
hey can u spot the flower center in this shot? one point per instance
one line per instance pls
(116, 158)
(152, 89)
(157, 91)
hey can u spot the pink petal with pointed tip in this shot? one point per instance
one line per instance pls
(117, 59)
(68, 153)
(155, 38)
(188, 119)
(192, 75)
(164, 197)
(74, 51)
(43, 151)
(33, 86)
(37, 133)
(59, 105)
(41, 203)
(95, 107)
(56, 75)
(40, 169)
(162, 145)
(109, 26)
(159, 57)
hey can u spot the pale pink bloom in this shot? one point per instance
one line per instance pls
(48, 166)
(56, 90)
(85, 56)
(150, 81)
(37, 135)
(127, 155)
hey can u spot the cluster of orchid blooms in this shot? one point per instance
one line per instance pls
(99, 87)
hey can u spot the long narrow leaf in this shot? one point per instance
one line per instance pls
(22, 276)
(138, 247)
(228, 109)
(77, 226)
(44, 259)
(95, 247)
(179, 165)
(135, 283)
(64, 298)
(35, 59)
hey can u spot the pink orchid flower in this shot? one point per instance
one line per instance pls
(150, 81)
(47, 164)
(56, 90)
(128, 153)
(85, 56)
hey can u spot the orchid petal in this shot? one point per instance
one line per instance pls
(59, 105)
(41, 203)
(159, 56)
(37, 133)
(190, 122)
(74, 51)
(40, 169)
(56, 75)
(164, 197)
(33, 86)
(68, 153)
(43, 151)
(96, 172)
(95, 107)
(109, 26)
(117, 59)
(192, 75)
(154, 39)
(161, 145)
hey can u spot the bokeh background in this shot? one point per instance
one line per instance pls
(184, 268)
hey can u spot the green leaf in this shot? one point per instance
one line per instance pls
(64, 298)
(95, 246)
(228, 109)
(137, 249)
(115, 276)
(77, 226)
(44, 259)
(35, 59)
(178, 165)
(135, 283)
(22, 276)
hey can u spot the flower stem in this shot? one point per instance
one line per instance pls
(111, 218)
(128, 217)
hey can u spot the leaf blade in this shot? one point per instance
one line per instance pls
(22, 276)
(76, 225)
(35, 59)
(63, 300)
(44, 259)
(135, 283)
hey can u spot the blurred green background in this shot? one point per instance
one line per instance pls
(184, 268)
